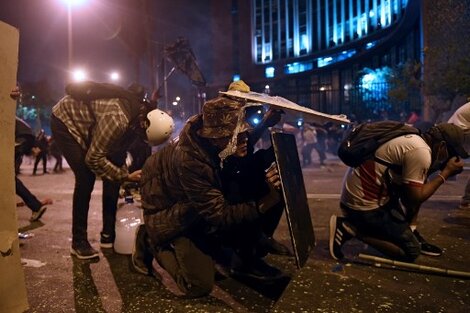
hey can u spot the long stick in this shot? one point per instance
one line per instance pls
(420, 268)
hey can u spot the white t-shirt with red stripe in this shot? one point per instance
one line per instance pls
(364, 187)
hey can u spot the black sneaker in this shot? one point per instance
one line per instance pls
(36, 215)
(83, 251)
(426, 247)
(257, 270)
(270, 245)
(142, 256)
(338, 236)
(106, 241)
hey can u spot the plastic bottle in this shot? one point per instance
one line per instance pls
(128, 218)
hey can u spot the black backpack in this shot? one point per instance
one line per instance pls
(364, 139)
(89, 90)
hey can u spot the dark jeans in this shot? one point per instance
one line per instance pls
(387, 223)
(320, 147)
(58, 161)
(191, 268)
(29, 199)
(307, 154)
(84, 183)
(42, 156)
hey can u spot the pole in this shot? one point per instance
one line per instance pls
(413, 266)
(165, 86)
(69, 39)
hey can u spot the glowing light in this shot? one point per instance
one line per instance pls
(373, 82)
(298, 67)
(175, 103)
(74, 2)
(304, 43)
(235, 77)
(256, 121)
(114, 76)
(269, 72)
(79, 75)
(178, 98)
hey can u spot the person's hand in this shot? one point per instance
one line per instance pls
(15, 93)
(453, 167)
(135, 176)
(272, 176)
(35, 151)
(272, 117)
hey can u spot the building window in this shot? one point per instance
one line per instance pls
(284, 29)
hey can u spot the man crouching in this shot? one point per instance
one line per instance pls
(189, 217)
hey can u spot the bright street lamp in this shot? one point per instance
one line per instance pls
(79, 75)
(114, 76)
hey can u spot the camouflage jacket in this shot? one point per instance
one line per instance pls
(182, 190)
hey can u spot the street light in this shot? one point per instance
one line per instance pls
(69, 4)
(114, 76)
(79, 75)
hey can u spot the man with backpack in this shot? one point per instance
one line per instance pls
(383, 191)
(93, 125)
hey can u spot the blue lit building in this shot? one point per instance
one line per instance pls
(330, 55)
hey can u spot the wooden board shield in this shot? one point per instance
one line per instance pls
(295, 196)
(13, 296)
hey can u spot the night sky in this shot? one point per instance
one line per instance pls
(99, 46)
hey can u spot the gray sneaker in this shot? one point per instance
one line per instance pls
(83, 251)
(36, 215)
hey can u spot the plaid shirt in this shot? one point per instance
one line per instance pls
(106, 131)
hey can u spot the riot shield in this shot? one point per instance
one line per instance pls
(295, 196)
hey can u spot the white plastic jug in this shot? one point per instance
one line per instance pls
(128, 218)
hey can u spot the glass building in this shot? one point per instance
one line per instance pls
(333, 55)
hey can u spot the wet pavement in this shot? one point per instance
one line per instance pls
(56, 282)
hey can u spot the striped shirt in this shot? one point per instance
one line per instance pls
(97, 133)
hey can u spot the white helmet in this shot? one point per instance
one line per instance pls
(160, 128)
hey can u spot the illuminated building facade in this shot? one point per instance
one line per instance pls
(329, 55)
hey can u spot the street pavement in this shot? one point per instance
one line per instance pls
(56, 282)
